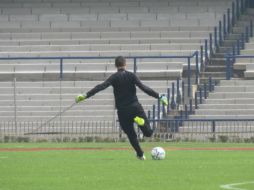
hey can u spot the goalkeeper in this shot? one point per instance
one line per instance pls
(129, 109)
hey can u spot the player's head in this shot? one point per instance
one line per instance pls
(120, 62)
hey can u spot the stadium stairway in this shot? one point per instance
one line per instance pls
(217, 63)
(245, 65)
(231, 99)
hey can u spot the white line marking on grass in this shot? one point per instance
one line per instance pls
(231, 186)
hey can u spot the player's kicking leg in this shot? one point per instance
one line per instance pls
(126, 122)
(142, 121)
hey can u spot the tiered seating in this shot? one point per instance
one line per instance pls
(94, 28)
(232, 99)
(40, 101)
(108, 28)
(227, 111)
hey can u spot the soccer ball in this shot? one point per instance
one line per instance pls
(158, 153)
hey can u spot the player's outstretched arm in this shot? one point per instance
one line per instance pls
(150, 91)
(98, 88)
(94, 90)
(145, 88)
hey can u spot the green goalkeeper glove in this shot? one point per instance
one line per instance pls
(80, 98)
(164, 100)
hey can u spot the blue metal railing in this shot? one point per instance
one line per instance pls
(230, 63)
(135, 70)
(201, 93)
(225, 26)
(220, 33)
(241, 128)
(227, 126)
(242, 41)
(216, 38)
(238, 47)
(134, 58)
(251, 28)
(233, 14)
(240, 44)
(228, 21)
(205, 120)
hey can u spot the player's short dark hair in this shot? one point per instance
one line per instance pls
(120, 61)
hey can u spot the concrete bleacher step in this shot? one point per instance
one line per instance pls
(39, 27)
(64, 118)
(234, 89)
(44, 95)
(57, 108)
(225, 95)
(214, 117)
(112, 8)
(247, 52)
(237, 82)
(249, 74)
(77, 113)
(100, 47)
(66, 90)
(73, 84)
(227, 106)
(83, 84)
(113, 41)
(89, 75)
(30, 96)
(38, 99)
(101, 35)
(104, 25)
(225, 111)
(87, 69)
(249, 69)
(109, 62)
(182, 43)
(244, 64)
(231, 99)
(106, 53)
(105, 101)
(238, 100)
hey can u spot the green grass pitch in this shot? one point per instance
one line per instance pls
(107, 169)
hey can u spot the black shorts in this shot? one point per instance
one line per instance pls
(126, 117)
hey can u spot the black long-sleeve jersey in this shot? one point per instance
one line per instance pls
(124, 84)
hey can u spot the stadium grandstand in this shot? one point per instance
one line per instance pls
(52, 50)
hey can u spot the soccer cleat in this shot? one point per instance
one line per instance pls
(141, 157)
(139, 120)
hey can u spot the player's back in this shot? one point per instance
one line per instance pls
(123, 83)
